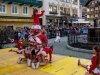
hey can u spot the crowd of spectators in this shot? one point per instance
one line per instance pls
(65, 30)
(50, 31)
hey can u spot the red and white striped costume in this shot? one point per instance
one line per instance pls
(93, 67)
(36, 24)
(38, 42)
(48, 50)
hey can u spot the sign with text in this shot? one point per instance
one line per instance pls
(16, 20)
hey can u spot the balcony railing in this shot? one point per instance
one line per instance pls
(93, 12)
(96, 11)
(75, 15)
(90, 12)
(52, 12)
(61, 13)
(28, 2)
(92, 5)
(89, 18)
(97, 4)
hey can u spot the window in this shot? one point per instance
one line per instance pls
(14, 9)
(55, 9)
(11, 26)
(61, 9)
(75, 2)
(25, 10)
(64, 0)
(68, 1)
(68, 11)
(2, 8)
(50, 8)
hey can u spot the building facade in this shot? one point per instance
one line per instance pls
(93, 10)
(17, 13)
(60, 12)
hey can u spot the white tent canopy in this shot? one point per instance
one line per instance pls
(81, 21)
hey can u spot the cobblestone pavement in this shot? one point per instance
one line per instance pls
(60, 48)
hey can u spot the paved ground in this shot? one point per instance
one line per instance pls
(60, 48)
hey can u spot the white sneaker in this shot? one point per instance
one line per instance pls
(28, 62)
(33, 65)
(19, 60)
(37, 66)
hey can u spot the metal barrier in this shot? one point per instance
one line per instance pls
(83, 41)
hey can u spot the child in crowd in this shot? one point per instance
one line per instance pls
(95, 63)
(57, 36)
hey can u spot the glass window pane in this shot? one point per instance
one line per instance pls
(55, 9)
(23, 10)
(3, 8)
(26, 10)
(12, 9)
(15, 9)
(0, 8)
(50, 8)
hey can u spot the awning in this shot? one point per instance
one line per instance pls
(37, 3)
(81, 22)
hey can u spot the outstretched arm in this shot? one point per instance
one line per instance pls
(42, 13)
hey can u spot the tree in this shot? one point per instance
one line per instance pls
(3, 35)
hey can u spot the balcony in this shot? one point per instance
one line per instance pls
(22, 2)
(93, 12)
(52, 12)
(96, 11)
(90, 12)
(97, 4)
(75, 15)
(61, 13)
(89, 18)
(92, 5)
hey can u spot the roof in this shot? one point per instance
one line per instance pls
(88, 2)
(37, 3)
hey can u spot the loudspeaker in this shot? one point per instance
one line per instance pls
(93, 34)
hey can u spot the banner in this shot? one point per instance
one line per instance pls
(16, 20)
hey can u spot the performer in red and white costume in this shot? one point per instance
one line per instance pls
(44, 56)
(19, 43)
(95, 64)
(35, 17)
(49, 50)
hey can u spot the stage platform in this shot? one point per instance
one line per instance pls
(61, 65)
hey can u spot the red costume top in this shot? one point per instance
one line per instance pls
(36, 18)
(43, 38)
(19, 43)
(93, 63)
(48, 50)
